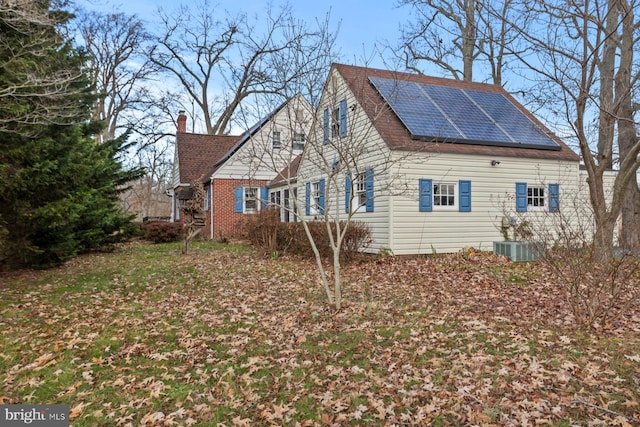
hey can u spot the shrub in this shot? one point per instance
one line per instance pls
(161, 231)
(265, 231)
(598, 293)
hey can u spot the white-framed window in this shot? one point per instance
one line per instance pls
(315, 197)
(360, 191)
(444, 195)
(335, 123)
(289, 203)
(276, 141)
(251, 199)
(281, 200)
(298, 141)
(536, 198)
(275, 198)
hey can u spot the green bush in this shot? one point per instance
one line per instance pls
(161, 231)
(265, 231)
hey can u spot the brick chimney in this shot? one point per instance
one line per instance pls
(182, 121)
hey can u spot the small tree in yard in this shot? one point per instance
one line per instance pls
(194, 215)
(345, 164)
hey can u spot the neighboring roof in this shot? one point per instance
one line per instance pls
(288, 174)
(196, 153)
(396, 135)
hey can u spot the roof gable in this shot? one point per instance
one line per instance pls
(247, 135)
(397, 135)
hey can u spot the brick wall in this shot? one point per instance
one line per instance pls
(226, 222)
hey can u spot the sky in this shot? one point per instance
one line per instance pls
(364, 24)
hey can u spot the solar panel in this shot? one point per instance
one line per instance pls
(447, 114)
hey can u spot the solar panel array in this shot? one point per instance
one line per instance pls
(448, 114)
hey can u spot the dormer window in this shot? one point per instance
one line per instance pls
(276, 142)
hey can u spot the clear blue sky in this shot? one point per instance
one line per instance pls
(363, 23)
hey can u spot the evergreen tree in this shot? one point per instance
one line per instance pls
(58, 188)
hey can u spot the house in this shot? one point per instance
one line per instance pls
(235, 170)
(193, 157)
(431, 165)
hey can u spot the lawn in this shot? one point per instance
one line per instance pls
(227, 337)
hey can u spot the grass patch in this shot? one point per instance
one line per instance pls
(224, 335)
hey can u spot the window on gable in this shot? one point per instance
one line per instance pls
(298, 141)
(444, 195)
(335, 123)
(276, 142)
(338, 120)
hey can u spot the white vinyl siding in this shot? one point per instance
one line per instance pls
(493, 196)
(259, 158)
(358, 130)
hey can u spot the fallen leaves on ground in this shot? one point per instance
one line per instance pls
(224, 336)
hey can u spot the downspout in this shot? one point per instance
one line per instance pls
(211, 208)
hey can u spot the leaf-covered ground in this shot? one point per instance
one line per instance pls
(226, 337)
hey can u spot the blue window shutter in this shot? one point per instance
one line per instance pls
(425, 189)
(464, 194)
(307, 201)
(343, 117)
(238, 200)
(347, 193)
(325, 128)
(368, 186)
(321, 189)
(521, 196)
(554, 197)
(264, 197)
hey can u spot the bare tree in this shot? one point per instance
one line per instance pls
(118, 68)
(221, 60)
(459, 36)
(147, 197)
(626, 80)
(571, 51)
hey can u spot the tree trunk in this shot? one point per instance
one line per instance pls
(627, 136)
(469, 40)
(603, 239)
(607, 70)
